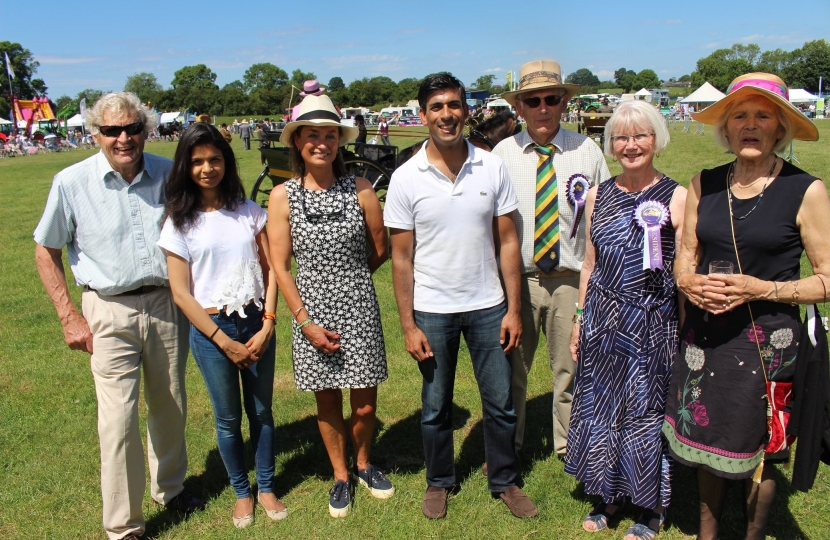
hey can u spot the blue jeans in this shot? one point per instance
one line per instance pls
(493, 373)
(222, 381)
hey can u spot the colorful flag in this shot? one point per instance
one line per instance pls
(8, 66)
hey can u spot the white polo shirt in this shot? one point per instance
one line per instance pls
(455, 259)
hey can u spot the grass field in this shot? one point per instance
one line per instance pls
(49, 447)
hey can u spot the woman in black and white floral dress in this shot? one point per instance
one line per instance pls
(326, 219)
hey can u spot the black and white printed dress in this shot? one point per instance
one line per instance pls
(328, 237)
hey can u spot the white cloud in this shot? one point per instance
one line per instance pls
(358, 58)
(46, 60)
(493, 70)
(604, 73)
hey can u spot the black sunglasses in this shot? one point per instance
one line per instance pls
(328, 217)
(550, 101)
(115, 131)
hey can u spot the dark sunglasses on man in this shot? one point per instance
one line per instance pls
(550, 101)
(115, 131)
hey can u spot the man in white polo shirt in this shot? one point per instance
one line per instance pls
(458, 202)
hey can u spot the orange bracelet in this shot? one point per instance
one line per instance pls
(271, 316)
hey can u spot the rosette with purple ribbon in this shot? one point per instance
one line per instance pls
(651, 216)
(576, 191)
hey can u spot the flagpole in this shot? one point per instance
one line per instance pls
(11, 91)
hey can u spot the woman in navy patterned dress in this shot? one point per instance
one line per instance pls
(626, 338)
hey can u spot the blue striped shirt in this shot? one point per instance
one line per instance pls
(110, 227)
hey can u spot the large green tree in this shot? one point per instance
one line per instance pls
(24, 84)
(646, 79)
(144, 85)
(195, 88)
(485, 82)
(90, 95)
(808, 64)
(720, 67)
(584, 77)
(264, 75)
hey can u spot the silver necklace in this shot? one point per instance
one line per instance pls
(731, 177)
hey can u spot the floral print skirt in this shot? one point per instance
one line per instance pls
(716, 411)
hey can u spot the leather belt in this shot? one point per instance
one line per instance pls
(212, 311)
(552, 275)
(144, 289)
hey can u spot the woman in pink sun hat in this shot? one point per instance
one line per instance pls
(747, 224)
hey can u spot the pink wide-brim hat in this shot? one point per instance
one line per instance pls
(769, 86)
(312, 88)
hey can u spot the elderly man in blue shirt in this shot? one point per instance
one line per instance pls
(108, 211)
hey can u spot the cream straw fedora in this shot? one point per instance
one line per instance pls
(537, 75)
(318, 111)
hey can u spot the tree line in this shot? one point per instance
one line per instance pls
(266, 89)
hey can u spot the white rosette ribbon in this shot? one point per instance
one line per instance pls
(651, 216)
(576, 191)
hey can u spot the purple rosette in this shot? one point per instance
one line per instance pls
(576, 191)
(651, 216)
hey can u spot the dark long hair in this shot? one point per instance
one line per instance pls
(298, 163)
(183, 195)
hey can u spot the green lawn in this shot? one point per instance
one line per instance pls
(49, 446)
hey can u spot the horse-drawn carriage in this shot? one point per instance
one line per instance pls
(593, 126)
(375, 162)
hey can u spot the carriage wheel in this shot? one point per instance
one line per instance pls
(262, 188)
(371, 171)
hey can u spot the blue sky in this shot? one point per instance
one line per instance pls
(102, 43)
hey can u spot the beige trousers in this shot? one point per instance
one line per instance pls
(131, 334)
(548, 304)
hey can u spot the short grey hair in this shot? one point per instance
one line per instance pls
(780, 146)
(637, 113)
(119, 105)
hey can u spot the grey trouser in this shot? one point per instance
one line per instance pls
(548, 304)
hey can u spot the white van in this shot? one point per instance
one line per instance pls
(400, 111)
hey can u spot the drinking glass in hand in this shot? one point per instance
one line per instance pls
(721, 267)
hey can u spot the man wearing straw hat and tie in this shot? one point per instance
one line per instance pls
(551, 170)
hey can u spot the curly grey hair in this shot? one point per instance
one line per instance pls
(120, 105)
(780, 146)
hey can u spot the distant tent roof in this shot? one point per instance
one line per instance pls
(627, 97)
(4, 121)
(498, 103)
(705, 94)
(75, 121)
(168, 117)
(642, 92)
(799, 95)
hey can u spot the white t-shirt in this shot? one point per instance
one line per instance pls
(455, 264)
(224, 261)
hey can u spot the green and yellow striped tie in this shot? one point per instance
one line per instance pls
(546, 234)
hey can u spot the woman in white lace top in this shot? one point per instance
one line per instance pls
(221, 278)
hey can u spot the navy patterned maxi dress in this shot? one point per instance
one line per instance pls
(627, 344)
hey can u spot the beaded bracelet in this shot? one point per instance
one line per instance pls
(304, 323)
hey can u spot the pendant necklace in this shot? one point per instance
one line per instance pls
(730, 179)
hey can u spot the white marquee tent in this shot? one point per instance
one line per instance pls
(799, 95)
(643, 94)
(4, 121)
(166, 118)
(705, 95)
(75, 121)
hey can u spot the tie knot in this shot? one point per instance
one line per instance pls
(544, 150)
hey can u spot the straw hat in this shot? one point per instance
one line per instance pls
(318, 111)
(537, 75)
(772, 88)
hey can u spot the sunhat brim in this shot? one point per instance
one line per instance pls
(347, 133)
(803, 128)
